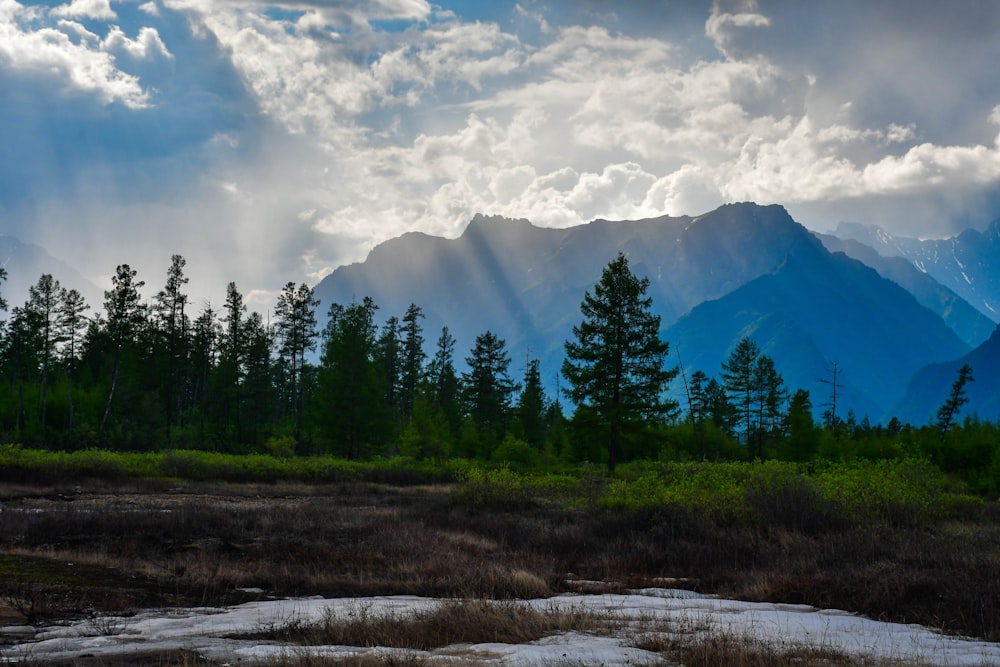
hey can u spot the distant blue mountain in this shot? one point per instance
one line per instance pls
(818, 308)
(971, 326)
(26, 263)
(968, 264)
(930, 386)
(742, 269)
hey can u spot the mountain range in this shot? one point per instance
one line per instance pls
(968, 264)
(741, 270)
(897, 317)
(26, 262)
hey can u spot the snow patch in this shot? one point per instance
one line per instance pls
(673, 613)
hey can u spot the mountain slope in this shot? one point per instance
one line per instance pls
(816, 309)
(526, 283)
(929, 387)
(739, 269)
(971, 326)
(968, 264)
(26, 263)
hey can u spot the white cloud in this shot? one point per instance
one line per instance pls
(48, 53)
(89, 9)
(722, 22)
(146, 45)
(371, 132)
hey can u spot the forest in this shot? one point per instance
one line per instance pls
(142, 375)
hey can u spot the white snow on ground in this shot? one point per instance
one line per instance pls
(205, 630)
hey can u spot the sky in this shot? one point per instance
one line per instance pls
(269, 142)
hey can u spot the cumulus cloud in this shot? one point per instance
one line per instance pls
(357, 121)
(71, 55)
(89, 9)
(146, 45)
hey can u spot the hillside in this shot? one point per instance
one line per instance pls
(971, 326)
(968, 264)
(929, 387)
(742, 269)
(26, 263)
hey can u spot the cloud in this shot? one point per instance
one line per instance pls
(87, 9)
(50, 53)
(146, 45)
(297, 134)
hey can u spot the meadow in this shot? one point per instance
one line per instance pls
(99, 535)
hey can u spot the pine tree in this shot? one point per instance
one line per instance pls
(44, 300)
(72, 323)
(739, 382)
(169, 307)
(442, 381)
(388, 356)
(412, 361)
(126, 315)
(956, 399)
(349, 404)
(531, 406)
(615, 365)
(488, 389)
(296, 328)
(229, 373)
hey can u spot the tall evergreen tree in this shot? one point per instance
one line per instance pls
(615, 364)
(956, 399)
(412, 359)
(388, 361)
(259, 377)
(802, 437)
(72, 323)
(125, 316)
(231, 360)
(718, 409)
(443, 384)
(204, 356)
(770, 395)
(531, 408)
(349, 402)
(739, 382)
(296, 328)
(21, 356)
(44, 300)
(170, 303)
(488, 389)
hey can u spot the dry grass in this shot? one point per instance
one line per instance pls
(724, 650)
(452, 622)
(201, 545)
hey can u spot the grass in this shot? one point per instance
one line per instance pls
(895, 541)
(456, 621)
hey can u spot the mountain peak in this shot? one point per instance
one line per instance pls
(491, 223)
(993, 230)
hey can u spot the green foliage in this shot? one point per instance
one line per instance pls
(615, 364)
(280, 446)
(515, 452)
(22, 464)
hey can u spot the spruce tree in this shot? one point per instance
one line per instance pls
(615, 364)
(488, 389)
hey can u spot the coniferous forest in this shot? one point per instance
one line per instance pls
(147, 374)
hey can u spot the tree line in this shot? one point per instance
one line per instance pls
(149, 374)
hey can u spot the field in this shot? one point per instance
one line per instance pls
(895, 542)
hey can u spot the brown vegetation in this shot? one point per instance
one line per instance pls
(92, 551)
